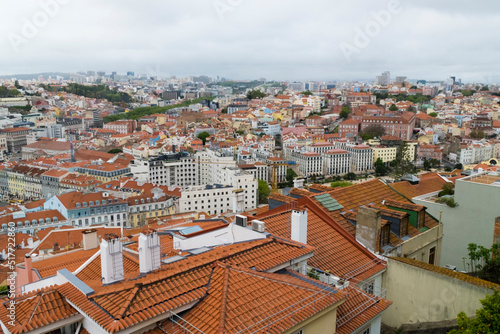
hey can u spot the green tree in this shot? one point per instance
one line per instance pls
(203, 136)
(344, 113)
(412, 109)
(264, 192)
(380, 168)
(373, 131)
(240, 132)
(447, 189)
(427, 164)
(115, 151)
(477, 134)
(290, 175)
(350, 176)
(393, 107)
(487, 319)
(342, 184)
(433, 114)
(307, 93)
(459, 166)
(401, 165)
(485, 88)
(255, 94)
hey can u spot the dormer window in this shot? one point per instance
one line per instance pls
(384, 235)
(116, 200)
(404, 227)
(97, 202)
(78, 205)
(149, 200)
(104, 201)
(84, 204)
(91, 203)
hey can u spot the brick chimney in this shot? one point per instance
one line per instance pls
(149, 251)
(368, 226)
(111, 259)
(28, 266)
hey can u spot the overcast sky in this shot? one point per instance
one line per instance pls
(249, 39)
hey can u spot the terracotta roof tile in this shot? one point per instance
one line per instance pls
(242, 299)
(447, 272)
(37, 309)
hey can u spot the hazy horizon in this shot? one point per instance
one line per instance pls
(245, 40)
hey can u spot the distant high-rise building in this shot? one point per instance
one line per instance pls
(101, 73)
(400, 79)
(384, 79)
(130, 74)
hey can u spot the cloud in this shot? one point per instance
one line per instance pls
(283, 40)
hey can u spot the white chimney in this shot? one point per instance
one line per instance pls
(90, 240)
(149, 252)
(298, 183)
(111, 259)
(299, 226)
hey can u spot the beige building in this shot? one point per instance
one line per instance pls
(424, 294)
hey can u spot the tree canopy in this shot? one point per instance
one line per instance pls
(203, 136)
(344, 113)
(255, 94)
(487, 318)
(307, 93)
(477, 134)
(264, 192)
(393, 107)
(380, 168)
(433, 114)
(373, 131)
(401, 165)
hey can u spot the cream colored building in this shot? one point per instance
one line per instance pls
(425, 294)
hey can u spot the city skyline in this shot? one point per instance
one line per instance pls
(246, 40)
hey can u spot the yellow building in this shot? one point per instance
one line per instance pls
(143, 207)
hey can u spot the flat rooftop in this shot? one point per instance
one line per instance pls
(483, 178)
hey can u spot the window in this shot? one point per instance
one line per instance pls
(103, 201)
(97, 202)
(404, 227)
(384, 236)
(432, 255)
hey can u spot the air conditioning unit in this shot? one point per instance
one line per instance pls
(258, 226)
(241, 221)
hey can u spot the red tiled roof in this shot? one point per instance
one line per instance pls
(35, 310)
(238, 298)
(336, 250)
(350, 316)
(134, 300)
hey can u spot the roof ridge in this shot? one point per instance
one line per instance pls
(225, 291)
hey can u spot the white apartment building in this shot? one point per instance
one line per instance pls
(476, 152)
(212, 199)
(310, 163)
(336, 161)
(361, 156)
